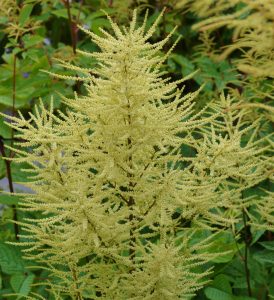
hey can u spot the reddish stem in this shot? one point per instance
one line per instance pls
(73, 28)
(9, 176)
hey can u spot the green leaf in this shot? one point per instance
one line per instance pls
(5, 130)
(268, 245)
(222, 283)
(256, 234)
(21, 283)
(2, 168)
(10, 259)
(16, 281)
(208, 67)
(216, 294)
(186, 65)
(240, 283)
(31, 40)
(30, 1)
(4, 292)
(6, 100)
(98, 13)
(224, 245)
(243, 298)
(9, 199)
(63, 13)
(25, 14)
(257, 271)
(23, 95)
(6, 73)
(26, 286)
(3, 19)
(98, 23)
(18, 175)
(265, 256)
(1, 281)
(271, 286)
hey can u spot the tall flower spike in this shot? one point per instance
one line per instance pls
(106, 181)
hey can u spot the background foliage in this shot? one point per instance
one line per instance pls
(221, 41)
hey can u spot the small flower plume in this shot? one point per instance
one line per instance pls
(265, 208)
(252, 22)
(231, 154)
(106, 184)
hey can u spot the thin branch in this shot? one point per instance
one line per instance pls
(247, 272)
(9, 176)
(73, 28)
(251, 105)
(75, 279)
(79, 11)
(13, 98)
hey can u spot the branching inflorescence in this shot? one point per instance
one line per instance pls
(113, 203)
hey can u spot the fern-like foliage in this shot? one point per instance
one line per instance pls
(105, 178)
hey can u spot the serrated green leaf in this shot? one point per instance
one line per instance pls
(31, 40)
(6, 100)
(4, 292)
(216, 294)
(186, 65)
(16, 281)
(225, 246)
(10, 259)
(268, 245)
(25, 14)
(271, 286)
(221, 282)
(243, 298)
(240, 283)
(18, 175)
(9, 199)
(208, 67)
(265, 256)
(26, 286)
(257, 271)
(2, 168)
(98, 23)
(256, 234)
(23, 95)
(5, 130)
(63, 13)
(98, 13)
